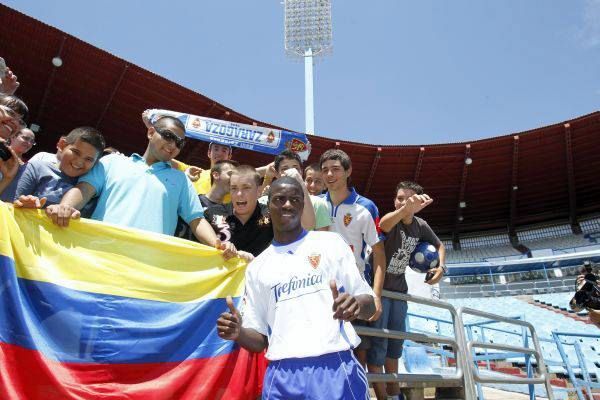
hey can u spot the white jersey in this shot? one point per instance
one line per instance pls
(289, 300)
(357, 220)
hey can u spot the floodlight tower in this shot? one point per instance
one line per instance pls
(307, 35)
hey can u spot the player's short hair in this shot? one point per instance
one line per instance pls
(415, 187)
(218, 167)
(336, 154)
(166, 120)
(248, 170)
(89, 135)
(286, 180)
(312, 167)
(286, 155)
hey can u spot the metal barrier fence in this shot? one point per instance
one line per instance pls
(543, 377)
(466, 374)
(578, 384)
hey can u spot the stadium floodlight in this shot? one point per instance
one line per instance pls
(307, 35)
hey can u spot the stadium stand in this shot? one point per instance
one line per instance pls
(483, 254)
(423, 319)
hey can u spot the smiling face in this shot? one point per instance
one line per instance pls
(10, 122)
(314, 182)
(217, 152)
(335, 176)
(77, 158)
(286, 202)
(23, 141)
(244, 194)
(161, 147)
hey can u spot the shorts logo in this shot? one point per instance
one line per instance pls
(314, 260)
(347, 219)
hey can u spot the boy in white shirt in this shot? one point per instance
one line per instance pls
(301, 293)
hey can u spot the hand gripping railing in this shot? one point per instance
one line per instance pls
(543, 377)
(462, 376)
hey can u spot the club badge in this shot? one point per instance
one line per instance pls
(314, 260)
(347, 219)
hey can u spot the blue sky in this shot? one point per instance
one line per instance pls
(400, 72)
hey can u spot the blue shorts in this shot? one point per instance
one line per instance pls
(393, 318)
(330, 376)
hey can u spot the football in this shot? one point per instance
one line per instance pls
(424, 257)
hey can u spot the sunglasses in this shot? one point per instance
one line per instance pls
(170, 137)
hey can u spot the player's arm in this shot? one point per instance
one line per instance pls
(229, 327)
(206, 235)
(203, 232)
(70, 204)
(379, 266)
(413, 205)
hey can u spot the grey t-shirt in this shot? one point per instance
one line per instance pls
(44, 179)
(399, 244)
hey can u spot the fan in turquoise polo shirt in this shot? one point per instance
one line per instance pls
(142, 192)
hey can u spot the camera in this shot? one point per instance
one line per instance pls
(588, 295)
(5, 153)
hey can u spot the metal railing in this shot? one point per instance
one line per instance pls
(466, 374)
(578, 384)
(542, 378)
(462, 376)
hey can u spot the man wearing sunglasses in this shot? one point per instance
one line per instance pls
(142, 191)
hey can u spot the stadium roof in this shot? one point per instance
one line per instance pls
(546, 174)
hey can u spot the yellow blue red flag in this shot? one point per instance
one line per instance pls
(97, 311)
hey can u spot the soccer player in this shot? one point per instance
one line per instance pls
(404, 230)
(301, 293)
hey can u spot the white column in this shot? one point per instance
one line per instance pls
(308, 92)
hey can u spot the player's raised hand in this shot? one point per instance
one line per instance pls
(417, 202)
(345, 307)
(229, 323)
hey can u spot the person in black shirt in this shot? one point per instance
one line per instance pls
(244, 222)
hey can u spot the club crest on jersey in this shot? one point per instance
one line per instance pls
(314, 260)
(347, 219)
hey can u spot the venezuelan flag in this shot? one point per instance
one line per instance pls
(96, 311)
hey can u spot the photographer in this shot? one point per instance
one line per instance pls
(588, 283)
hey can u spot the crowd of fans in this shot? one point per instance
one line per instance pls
(224, 205)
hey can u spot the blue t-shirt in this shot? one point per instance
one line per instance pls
(44, 179)
(8, 195)
(135, 194)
